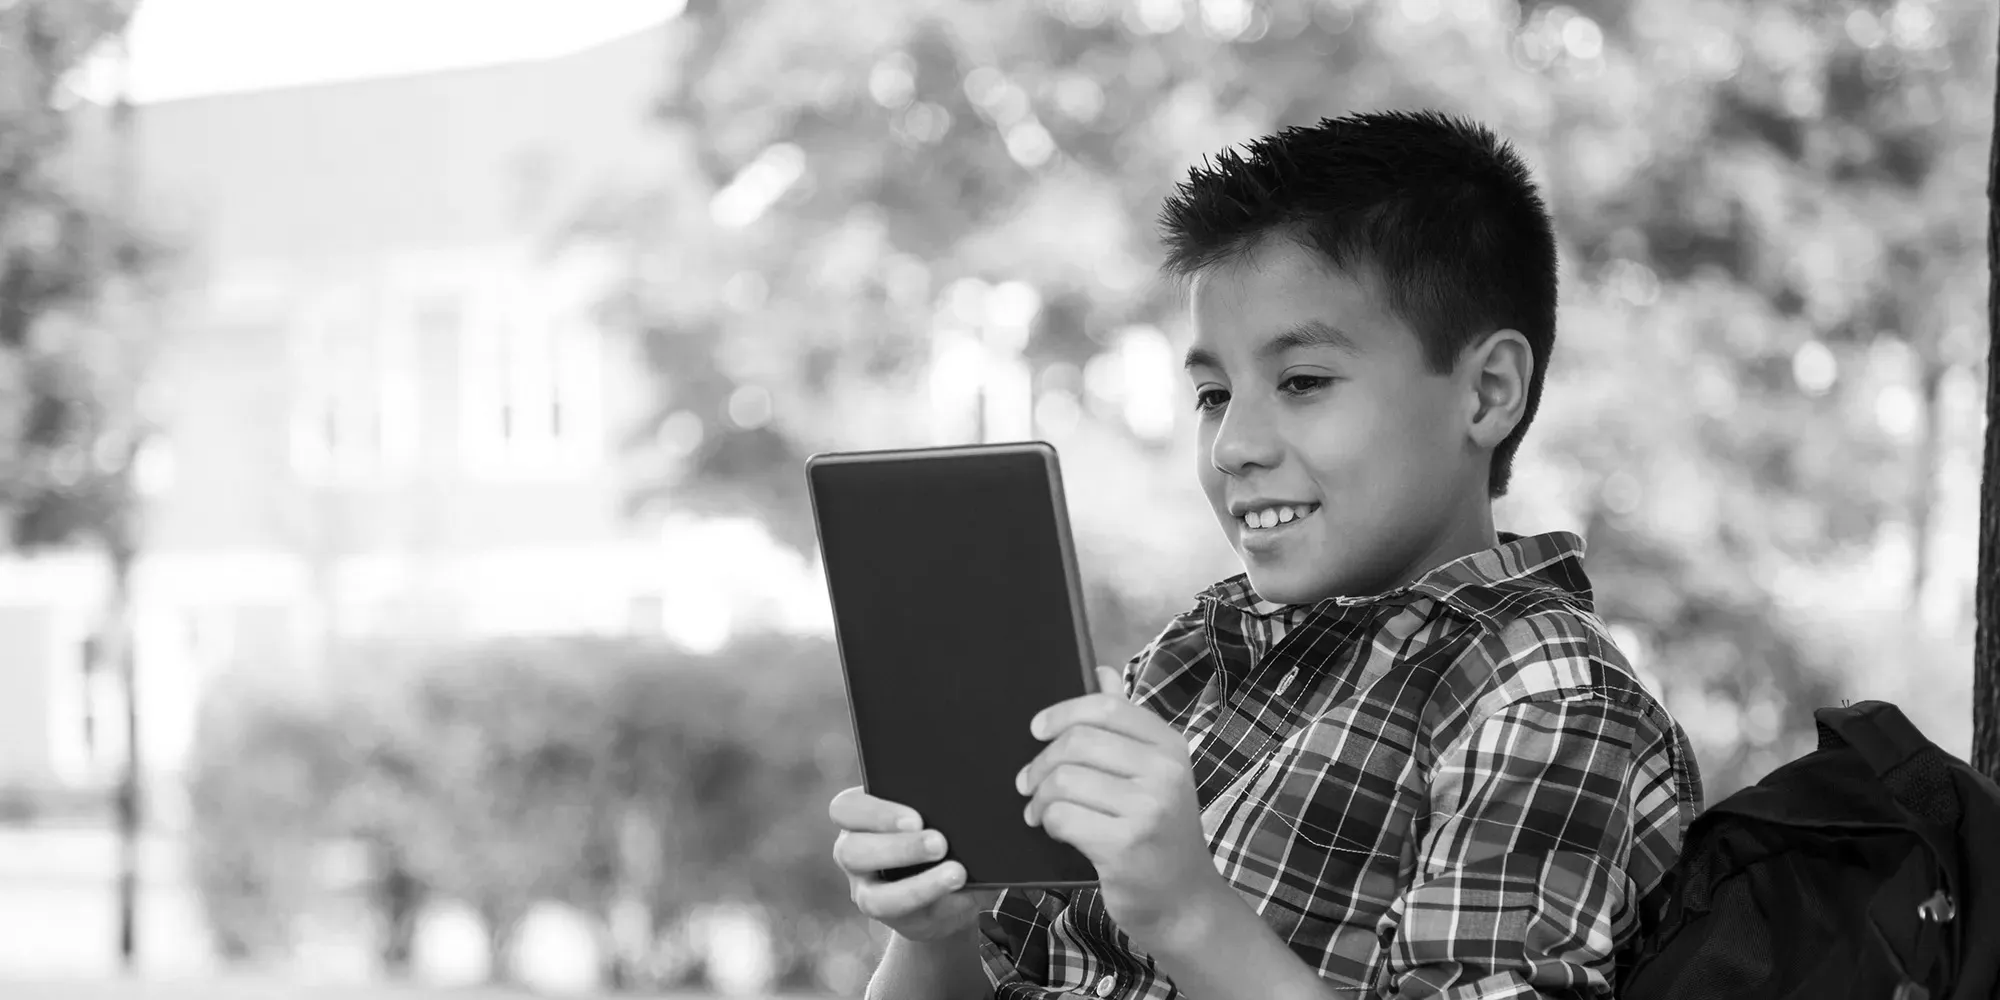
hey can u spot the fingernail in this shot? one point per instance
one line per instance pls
(1028, 815)
(934, 844)
(1021, 781)
(1036, 724)
(910, 823)
(956, 878)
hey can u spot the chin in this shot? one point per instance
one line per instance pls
(1291, 588)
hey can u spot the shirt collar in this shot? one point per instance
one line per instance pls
(1477, 584)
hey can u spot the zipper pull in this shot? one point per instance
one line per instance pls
(1939, 909)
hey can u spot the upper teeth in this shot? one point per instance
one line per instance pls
(1271, 517)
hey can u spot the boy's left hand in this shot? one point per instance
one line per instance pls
(1115, 783)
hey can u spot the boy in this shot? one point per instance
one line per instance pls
(1399, 755)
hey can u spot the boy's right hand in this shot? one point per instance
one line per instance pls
(877, 835)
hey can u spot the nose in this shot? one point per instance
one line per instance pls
(1245, 440)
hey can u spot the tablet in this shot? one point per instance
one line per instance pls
(958, 614)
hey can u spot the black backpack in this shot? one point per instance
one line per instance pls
(1869, 868)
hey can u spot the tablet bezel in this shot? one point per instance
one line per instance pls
(1052, 473)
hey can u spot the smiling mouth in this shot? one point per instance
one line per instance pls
(1274, 518)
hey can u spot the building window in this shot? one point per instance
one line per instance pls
(153, 468)
(646, 616)
(85, 713)
(438, 317)
(532, 384)
(357, 398)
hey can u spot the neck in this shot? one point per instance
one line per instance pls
(1470, 530)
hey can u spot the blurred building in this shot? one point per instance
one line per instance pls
(390, 403)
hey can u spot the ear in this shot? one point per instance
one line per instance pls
(1499, 369)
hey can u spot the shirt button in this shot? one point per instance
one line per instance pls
(1107, 985)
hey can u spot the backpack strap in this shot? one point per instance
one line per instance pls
(1917, 774)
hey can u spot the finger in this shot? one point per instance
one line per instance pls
(1107, 711)
(864, 854)
(1080, 827)
(890, 900)
(855, 809)
(1113, 752)
(1086, 787)
(1111, 681)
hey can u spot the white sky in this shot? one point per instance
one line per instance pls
(188, 48)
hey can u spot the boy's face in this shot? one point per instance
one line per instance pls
(1312, 394)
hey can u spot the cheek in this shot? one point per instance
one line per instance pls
(1445, 418)
(1382, 446)
(1363, 428)
(1423, 412)
(1205, 471)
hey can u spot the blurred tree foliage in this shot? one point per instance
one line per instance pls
(71, 264)
(633, 782)
(75, 272)
(1770, 250)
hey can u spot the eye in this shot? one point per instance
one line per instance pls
(1208, 399)
(1300, 385)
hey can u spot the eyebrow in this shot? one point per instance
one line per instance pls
(1311, 333)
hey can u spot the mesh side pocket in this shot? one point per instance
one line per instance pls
(1923, 785)
(1734, 959)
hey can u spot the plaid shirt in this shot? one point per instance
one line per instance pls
(1456, 789)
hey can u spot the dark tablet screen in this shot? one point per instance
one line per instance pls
(958, 617)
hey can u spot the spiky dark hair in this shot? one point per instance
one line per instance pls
(1439, 210)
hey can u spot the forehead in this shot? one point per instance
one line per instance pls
(1240, 305)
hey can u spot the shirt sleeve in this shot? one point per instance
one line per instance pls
(1524, 885)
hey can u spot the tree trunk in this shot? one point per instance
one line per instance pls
(399, 901)
(132, 775)
(501, 920)
(122, 547)
(1986, 647)
(1924, 490)
(628, 936)
(615, 972)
